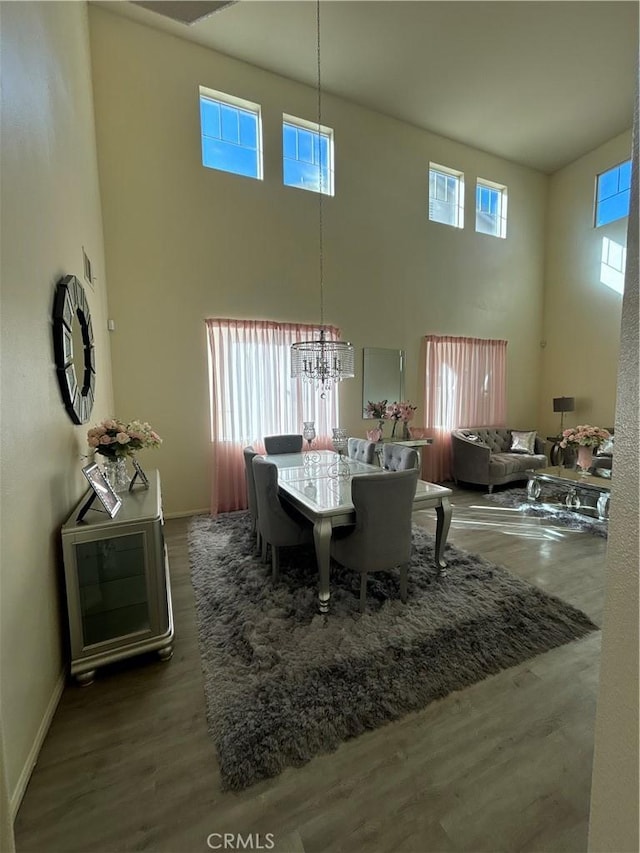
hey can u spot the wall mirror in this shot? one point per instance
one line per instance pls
(383, 376)
(73, 348)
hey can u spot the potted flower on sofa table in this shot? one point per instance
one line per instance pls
(585, 439)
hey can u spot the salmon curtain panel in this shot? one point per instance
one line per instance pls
(252, 395)
(465, 383)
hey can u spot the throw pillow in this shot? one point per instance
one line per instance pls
(523, 442)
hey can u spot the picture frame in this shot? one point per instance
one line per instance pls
(102, 490)
(139, 473)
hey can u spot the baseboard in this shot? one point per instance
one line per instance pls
(187, 513)
(34, 752)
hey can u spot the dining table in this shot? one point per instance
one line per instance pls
(318, 484)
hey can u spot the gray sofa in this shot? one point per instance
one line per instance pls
(481, 455)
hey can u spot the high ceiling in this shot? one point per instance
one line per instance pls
(539, 83)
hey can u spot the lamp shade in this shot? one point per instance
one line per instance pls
(563, 404)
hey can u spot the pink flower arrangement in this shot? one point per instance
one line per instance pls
(403, 411)
(114, 438)
(377, 410)
(584, 435)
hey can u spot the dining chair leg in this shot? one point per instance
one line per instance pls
(275, 564)
(404, 578)
(263, 550)
(363, 592)
(258, 541)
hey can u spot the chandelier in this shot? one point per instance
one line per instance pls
(322, 362)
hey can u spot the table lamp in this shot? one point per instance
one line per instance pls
(562, 405)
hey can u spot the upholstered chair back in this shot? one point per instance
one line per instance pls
(381, 538)
(361, 450)
(277, 526)
(249, 453)
(395, 457)
(283, 443)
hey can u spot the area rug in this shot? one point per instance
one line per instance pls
(284, 683)
(549, 505)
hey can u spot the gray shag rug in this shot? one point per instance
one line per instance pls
(549, 505)
(284, 683)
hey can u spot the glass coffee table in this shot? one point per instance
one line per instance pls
(580, 492)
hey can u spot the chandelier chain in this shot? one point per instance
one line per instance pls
(321, 361)
(320, 194)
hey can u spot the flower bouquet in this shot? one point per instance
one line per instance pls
(377, 410)
(403, 411)
(585, 438)
(116, 440)
(113, 438)
(584, 435)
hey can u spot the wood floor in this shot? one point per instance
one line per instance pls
(504, 765)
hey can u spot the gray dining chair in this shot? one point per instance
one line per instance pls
(381, 537)
(361, 450)
(283, 443)
(395, 457)
(280, 526)
(249, 453)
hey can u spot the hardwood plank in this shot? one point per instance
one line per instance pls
(503, 765)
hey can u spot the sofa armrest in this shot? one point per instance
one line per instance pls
(470, 458)
(540, 446)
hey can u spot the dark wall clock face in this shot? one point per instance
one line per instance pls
(73, 348)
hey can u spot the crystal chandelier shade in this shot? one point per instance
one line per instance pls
(322, 362)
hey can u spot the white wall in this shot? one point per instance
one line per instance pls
(184, 242)
(50, 206)
(581, 315)
(615, 791)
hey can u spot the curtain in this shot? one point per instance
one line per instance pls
(253, 395)
(465, 382)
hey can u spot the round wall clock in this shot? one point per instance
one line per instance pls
(73, 348)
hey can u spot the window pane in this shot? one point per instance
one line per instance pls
(229, 117)
(301, 161)
(305, 146)
(608, 184)
(486, 223)
(324, 150)
(248, 129)
(444, 191)
(613, 208)
(289, 141)
(230, 134)
(229, 158)
(624, 182)
(304, 176)
(210, 117)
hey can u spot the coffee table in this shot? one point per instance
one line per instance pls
(578, 488)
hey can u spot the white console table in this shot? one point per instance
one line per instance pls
(117, 582)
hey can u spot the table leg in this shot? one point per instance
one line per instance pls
(443, 512)
(603, 506)
(533, 489)
(322, 540)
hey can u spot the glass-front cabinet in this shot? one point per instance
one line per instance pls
(117, 582)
